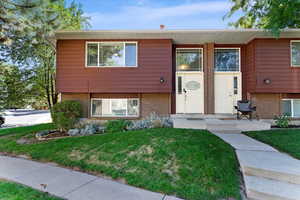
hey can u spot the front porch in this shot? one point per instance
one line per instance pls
(218, 122)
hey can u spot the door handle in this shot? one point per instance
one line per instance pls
(184, 90)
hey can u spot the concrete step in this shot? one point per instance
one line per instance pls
(231, 131)
(270, 164)
(266, 189)
(191, 124)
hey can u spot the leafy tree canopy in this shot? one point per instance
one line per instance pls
(271, 15)
(26, 26)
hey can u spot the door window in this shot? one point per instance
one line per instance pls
(227, 60)
(235, 85)
(179, 84)
(188, 59)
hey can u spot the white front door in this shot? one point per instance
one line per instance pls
(227, 79)
(227, 91)
(189, 80)
(189, 92)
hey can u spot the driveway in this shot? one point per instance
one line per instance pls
(23, 117)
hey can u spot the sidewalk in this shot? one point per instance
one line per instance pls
(69, 184)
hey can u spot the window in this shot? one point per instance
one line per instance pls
(189, 59)
(291, 107)
(111, 54)
(115, 107)
(227, 60)
(295, 53)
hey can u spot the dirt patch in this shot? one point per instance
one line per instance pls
(143, 150)
(172, 168)
(94, 159)
(76, 155)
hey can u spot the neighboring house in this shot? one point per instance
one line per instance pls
(133, 73)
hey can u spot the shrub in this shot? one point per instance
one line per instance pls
(152, 121)
(120, 125)
(65, 114)
(282, 121)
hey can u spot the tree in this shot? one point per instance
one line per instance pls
(32, 46)
(271, 15)
(14, 90)
(16, 16)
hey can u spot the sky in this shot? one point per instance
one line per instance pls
(150, 14)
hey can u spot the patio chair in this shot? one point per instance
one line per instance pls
(244, 109)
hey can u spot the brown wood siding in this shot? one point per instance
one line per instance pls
(272, 61)
(267, 105)
(154, 61)
(208, 69)
(249, 70)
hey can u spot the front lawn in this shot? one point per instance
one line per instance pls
(191, 164)
(13, 191)
(286, 140)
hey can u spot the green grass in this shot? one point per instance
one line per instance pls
(191, 164)
(285, 140)
(13, 191)
(26, 129)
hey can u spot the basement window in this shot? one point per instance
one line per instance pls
(115, 107)
(111, 54)
(295, 53)
(290, 107)
(227, 59)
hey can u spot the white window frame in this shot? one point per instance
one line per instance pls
(110, 104)
(239, 50)
(292, 106)
(201, 52)
(291, 54)
(124, 45)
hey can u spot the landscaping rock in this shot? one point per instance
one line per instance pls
(100, 129)
(42, 133)
(74, 132)
(89, 129)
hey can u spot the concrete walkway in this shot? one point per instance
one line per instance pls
(69, 184)
(268, 174)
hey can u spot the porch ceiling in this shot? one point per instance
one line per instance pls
(226, 36)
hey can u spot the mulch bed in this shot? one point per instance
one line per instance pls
(54, 135)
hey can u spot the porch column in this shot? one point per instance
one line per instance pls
(208, 68)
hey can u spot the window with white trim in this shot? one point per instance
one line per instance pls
(295, 53)
(111, 54)
(290, 107)
(227, 60)
(115, 107)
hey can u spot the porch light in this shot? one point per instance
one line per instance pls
(267, 81)
(183, 66)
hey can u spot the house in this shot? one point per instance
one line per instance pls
(133, 73)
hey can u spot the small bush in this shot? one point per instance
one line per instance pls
(152, 121)
(282, 121)
(65, 114)
(113, 126)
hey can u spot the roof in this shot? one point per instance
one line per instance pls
(200, 36)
